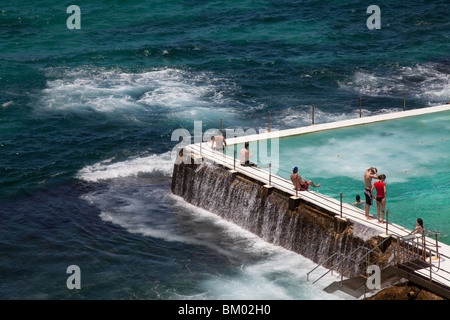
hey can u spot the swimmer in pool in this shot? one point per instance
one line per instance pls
(358, 202)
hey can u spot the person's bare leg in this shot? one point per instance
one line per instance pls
(378, 211)
(367, 209)
(383, 206)
(312, 184)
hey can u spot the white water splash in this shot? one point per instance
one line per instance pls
(106, 170)
(430, 82)
(157, 92)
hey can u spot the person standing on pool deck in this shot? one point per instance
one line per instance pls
(380, 186)
(219, 139)
(370, 174)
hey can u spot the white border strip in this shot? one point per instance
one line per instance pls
(338, 124)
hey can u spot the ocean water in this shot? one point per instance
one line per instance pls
(87, 117)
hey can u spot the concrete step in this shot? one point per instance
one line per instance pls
(356, 286)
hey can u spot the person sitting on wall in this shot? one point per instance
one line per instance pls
(244, 156)
(299, 183)
(419, 226)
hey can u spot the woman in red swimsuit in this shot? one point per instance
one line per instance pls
(380, 186)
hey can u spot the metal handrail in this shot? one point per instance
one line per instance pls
(426, 252)
(346, 257)
(409, 259)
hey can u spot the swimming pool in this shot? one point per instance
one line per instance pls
(412, 152)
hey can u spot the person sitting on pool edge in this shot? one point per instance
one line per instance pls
(244, 156)
(419, 226)
(299, 184)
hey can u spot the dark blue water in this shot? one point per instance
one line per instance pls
(87, 116)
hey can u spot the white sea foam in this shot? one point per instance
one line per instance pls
(7, 104)
(267, 271)
(106, 170)
(302, 116)
(430, 82)
(281, 276)
(165, 90)
(277, 273)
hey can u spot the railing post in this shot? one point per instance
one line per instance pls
(270, 173)
(313, 114)
(424, 245)
(396, 254)
(341, 203)
(431, 271)
(418, 252)
(360, 107)
(437, 246)
(404, 101)
(234, 160)
(387, 221)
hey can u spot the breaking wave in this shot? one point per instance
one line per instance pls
(133, 167)
(429, 82)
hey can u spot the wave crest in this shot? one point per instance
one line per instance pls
(106, 170)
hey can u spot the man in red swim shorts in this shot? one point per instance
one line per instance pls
(299, 184)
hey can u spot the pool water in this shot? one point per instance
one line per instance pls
(412, 152)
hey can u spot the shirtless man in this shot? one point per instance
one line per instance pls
(219, 139)
(244, 156)
(299, 184)
(370, 174)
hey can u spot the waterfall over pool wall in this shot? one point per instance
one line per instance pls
(307, 230)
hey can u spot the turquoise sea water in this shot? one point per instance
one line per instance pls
(86, 122)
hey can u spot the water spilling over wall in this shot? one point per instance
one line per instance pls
(307, 229)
